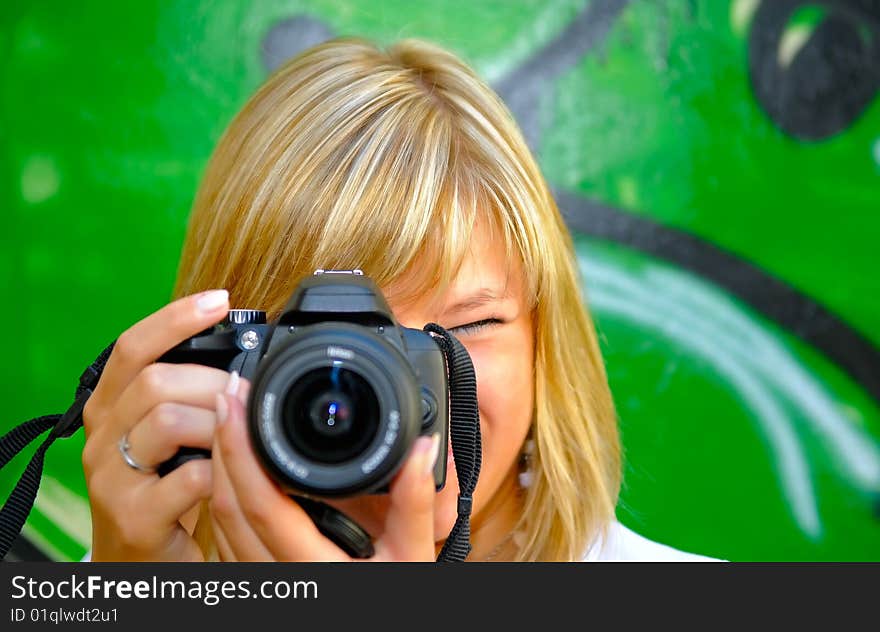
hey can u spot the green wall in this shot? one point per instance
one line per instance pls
(718, 162)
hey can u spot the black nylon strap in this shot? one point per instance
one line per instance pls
(19, 437)
(466, 441)
(20, 502)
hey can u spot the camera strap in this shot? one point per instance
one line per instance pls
(467, 446)
(20, 502)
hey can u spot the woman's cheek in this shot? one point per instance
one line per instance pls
(504, 396)
(504, 391)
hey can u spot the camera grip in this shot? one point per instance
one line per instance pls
(335, 525)
(338, 527)
(183, 455)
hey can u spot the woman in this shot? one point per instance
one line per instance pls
(404, 164)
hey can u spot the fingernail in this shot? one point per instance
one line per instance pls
(243, 391)
(430, 458)
(222, 409)
(232, 385)
(212, 300)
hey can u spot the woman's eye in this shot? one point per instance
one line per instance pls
(474, 327)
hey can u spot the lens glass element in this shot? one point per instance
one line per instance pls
(330, 414)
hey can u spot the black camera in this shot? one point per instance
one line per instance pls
(339, 390)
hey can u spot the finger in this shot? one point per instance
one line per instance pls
(147, 340)
(188, 384)
(224, 551)
(282, 525)
(409, 523)
(239, 541)
(244, 390)
(171, 496)
(168, 427)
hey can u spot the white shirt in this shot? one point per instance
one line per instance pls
(624, 545)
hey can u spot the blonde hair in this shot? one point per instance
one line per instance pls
(349, 156)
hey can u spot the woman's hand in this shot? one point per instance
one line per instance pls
(159, 407)
(254, 520)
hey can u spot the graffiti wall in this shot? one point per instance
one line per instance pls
(718, 163)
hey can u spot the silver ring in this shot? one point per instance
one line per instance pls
(124, 447)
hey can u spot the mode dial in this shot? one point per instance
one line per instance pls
(246, 317)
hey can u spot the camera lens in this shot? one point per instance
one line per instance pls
(331, 414)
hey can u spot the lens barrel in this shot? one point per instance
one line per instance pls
(334, 410)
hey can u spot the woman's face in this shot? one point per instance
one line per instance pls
(485, 309)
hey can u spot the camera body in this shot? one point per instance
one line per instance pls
(339, 390)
